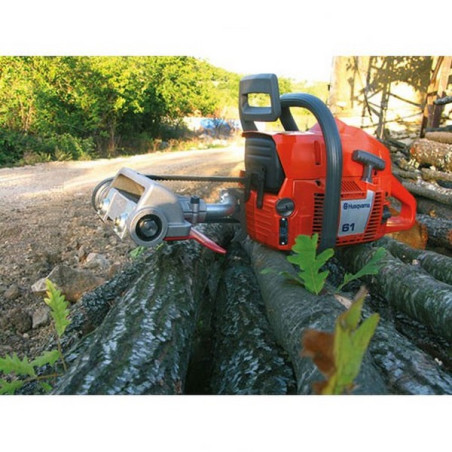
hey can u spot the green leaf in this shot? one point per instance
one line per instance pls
(48, 357)
(292, 278)
(364, 333)
(305, 249)
(137, 252)
(350, 344)
(371, 268)
(45, 386)
(58, 306)
(10, 387)
(13, 364)
(267, 271)
(351, 318)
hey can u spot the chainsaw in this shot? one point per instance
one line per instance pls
(334, 180)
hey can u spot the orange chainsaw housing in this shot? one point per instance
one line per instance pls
(302, 157)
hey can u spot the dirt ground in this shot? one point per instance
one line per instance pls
(47, 220)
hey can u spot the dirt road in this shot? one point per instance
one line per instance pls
(33, 184)
(47, 220)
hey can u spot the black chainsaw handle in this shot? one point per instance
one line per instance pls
(333, 145)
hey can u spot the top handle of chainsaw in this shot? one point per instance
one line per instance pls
(333, 146)
(407, 216)
(258, 84)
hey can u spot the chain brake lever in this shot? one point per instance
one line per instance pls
(200, 238)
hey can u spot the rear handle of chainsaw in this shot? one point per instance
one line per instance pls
(407, 215)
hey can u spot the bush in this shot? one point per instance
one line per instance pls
(68, 147)
(12, 145)
(28, 149)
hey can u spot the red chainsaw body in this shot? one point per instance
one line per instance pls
(302, 156)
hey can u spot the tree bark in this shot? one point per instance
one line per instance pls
(440, 137)
(439, 129)
(432, 153)
(406, 288)
(404, 174)
(246, 358)
(437, 265)
(439, 230)
(291, 310)
(142, 345)
(433, 208)
(429, 174)
(430, 191)
(443, 100)
(405, 368)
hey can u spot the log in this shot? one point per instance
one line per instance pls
(404, 174)
(405, 368)
(439, 137)
(429, 174)
(442, 178)
(430, 191)
(406, 287)
(416, 236)
(443, 100)
(439, 230)
(432, 153)
(246, 358)
(291, 310)
(143, 343)
(437, 265)
(439, 129)
(433, 209)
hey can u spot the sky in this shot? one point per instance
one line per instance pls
(316, 68)
(291, 38)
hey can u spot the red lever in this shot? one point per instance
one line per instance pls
(205, 241)
(200, 238)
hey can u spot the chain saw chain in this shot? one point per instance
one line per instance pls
(143, 208)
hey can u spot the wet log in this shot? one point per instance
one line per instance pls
(409, 364)
(406, 287)
(440, 137)
(439, 230)
(405, 368)
(433, 208)
(432, 153)
(143, 343)
(430, 191)
(291, 310)
(246, 357)
(437, 265)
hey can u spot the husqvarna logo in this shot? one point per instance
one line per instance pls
(365, 205)
(355, 214)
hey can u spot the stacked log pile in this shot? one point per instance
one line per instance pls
(183, 317)
(425, 169)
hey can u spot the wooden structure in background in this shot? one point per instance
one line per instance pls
(389, 96)
(436, 90)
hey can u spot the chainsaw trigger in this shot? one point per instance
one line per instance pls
(205, 241)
